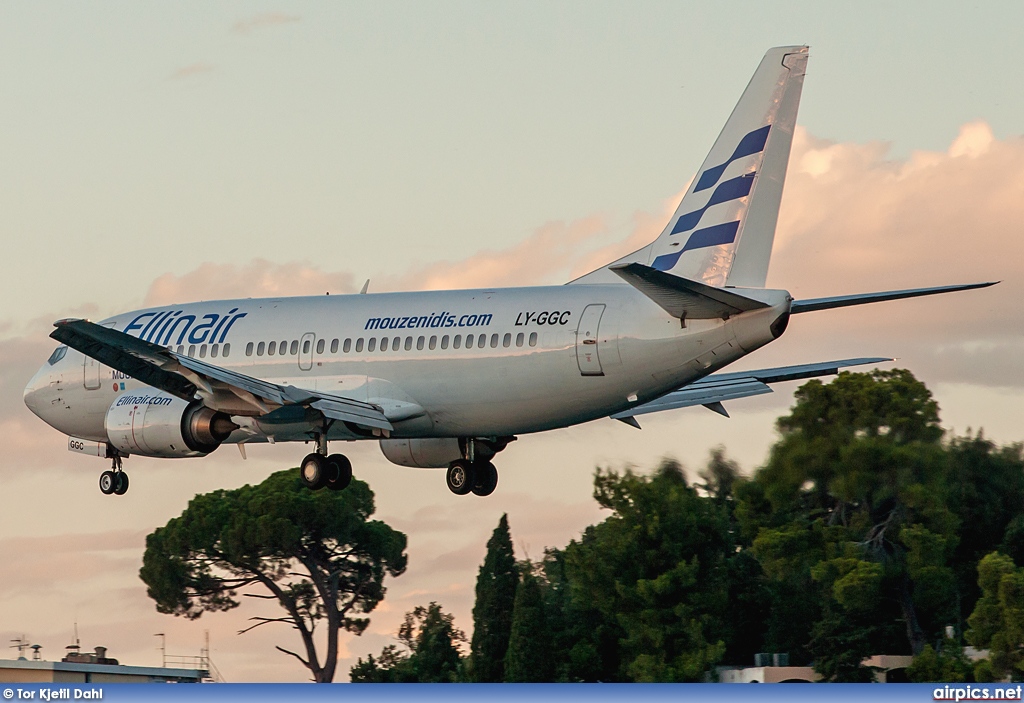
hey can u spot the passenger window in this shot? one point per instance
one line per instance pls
(320, 346)
(192, 350)
(533, 339)
(457, 342)
(519, 339)
(383, 343)
(226, 350)
(444, 342)
(295, 347)
(359, 345)
(334, 346)
(181, 349)
(248, 349)
(419, 343)
(57, 354)
(395, 343)
(271, 348)
(348, 346)
(433, 342)
(305, 346)
(469, 341)
(408, 343)
(494, 341)
(214, 350)
(371, 345)
(202, 352)
(259, 349)
(506, 341)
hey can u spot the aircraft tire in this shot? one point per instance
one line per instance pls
(459, 477)
(486, 478)
(121, 483)
(108, 482)
(339, 472)
(313, 472)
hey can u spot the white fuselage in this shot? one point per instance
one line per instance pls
(551, 357)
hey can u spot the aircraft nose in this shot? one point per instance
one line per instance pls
(36, 392)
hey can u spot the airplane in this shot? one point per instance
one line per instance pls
(447, 379)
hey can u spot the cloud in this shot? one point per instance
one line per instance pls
(191, 71)
(854, 220)
(258, 278)
(247, 26)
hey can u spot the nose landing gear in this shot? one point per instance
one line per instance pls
(114, 481)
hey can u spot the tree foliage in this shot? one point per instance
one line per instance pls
(529, 656)
(429, 651)
(318, 554)
(865, 532)
(492, 613)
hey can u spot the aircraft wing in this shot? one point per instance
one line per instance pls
(221, 389)
(711, 390)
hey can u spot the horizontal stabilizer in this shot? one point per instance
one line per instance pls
(842, 301)
(718, 387)
(683, 298)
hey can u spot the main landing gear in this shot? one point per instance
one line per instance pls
(476, 477)
(318, 470)
(474, 473)
(114, 481)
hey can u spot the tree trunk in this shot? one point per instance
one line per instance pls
(914, 633)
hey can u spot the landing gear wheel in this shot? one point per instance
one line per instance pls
(460, 477)
(486, 478)
(108, 482)
(121, 483)
(313, 471)
(339, 472)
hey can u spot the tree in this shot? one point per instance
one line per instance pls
(947, 664)
(654, 578)
(492, 611)
(997, 622)
(317, 553)
(858, 473)
(430, 651)
(529, 656)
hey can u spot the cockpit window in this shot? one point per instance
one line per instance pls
(57, 354)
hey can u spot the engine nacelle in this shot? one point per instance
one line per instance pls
(434, 453)
(163, 425)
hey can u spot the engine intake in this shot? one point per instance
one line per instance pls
(163, 425)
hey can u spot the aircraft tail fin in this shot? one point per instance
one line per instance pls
(723, 230)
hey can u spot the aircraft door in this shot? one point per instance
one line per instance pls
(587, 342)
(91, 373)
(306, 351)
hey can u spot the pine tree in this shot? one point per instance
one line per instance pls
(492, 612)
(528, 659)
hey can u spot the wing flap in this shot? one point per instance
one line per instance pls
(683, 298)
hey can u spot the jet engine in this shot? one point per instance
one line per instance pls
(163, 425)
(433, 453)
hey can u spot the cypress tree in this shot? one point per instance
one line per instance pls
(492, 612)
(528, 659)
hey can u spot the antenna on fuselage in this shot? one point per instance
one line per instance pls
(365, 287)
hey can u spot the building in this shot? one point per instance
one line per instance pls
(92, 667)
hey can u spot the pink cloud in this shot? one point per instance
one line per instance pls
(270, 19)
(191, 71)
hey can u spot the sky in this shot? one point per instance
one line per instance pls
(154, 153)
